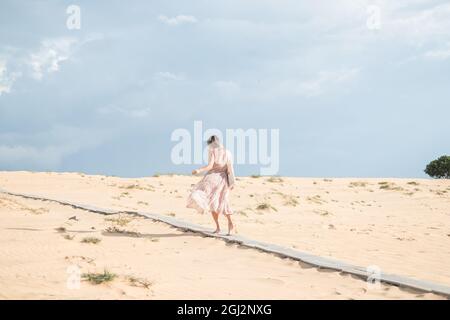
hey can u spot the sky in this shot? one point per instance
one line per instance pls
(356, 88)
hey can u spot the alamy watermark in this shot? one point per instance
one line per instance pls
(374, 277)
(73, 21)
(74, 277)
(251, 146)
(373, 21)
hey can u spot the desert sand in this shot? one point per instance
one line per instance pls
(398, 225)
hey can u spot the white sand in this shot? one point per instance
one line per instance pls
(403, 231)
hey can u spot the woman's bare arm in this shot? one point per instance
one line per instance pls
(206, 168)
(231, 178)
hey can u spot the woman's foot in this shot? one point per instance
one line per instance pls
(215, 216)
(230, 229)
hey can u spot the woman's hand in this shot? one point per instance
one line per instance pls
(195, 172)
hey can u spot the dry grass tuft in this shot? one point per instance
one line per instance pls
(265, 206)
(275, 179)
(98, 278)
(139, 282)
(120, 220)
(384, 185)
(316, 199)
(91, 240)
(354, 184)
(61, 229)
(122, 231)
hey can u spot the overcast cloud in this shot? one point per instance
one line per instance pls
(349, 100)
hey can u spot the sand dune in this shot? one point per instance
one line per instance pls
(396, 224)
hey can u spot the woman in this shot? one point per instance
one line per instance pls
(211, 193)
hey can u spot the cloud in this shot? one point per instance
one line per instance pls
(319, 85)
(20, 155)
(47, 149)
(169, 76)
(49, 56)
(417, 27)
(178, 20)
(227, 88)
(6, 79)
(438, 54)
(128, 112)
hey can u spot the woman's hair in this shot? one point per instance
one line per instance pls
(212, 139)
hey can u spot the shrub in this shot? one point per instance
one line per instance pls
(439, 168)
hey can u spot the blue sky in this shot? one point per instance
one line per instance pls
(349, 100)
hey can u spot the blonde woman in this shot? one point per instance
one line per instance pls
(211, 193)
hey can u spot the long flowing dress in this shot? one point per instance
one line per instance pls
(211, 193)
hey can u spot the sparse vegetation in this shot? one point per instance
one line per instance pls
(275, 179)
(139, 282)
(265, 206)
(413, 183)
(137, 186)
(122, 231)
(242, 212)
(98, 278)
(130, 186)
(291, 201)
(61, 229)
(322, 212)
(120, 220)
(316, 199)
(439, 192)
(68, 237)
(389, 186)
(92, 240)
(37, 210)
(256, 176)
(354, 184)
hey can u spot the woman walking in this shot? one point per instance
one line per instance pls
(211, 193)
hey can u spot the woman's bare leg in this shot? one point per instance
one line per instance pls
(216, 220)
(230, 224)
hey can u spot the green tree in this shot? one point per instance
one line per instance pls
(439, 168)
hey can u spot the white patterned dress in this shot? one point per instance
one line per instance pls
(211, 193)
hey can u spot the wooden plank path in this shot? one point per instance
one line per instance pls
(284, 252)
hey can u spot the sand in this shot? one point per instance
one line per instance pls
(398, 225)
